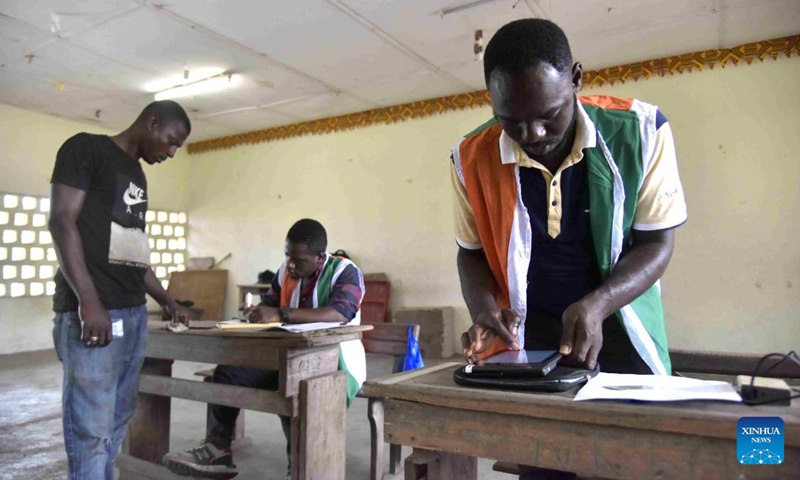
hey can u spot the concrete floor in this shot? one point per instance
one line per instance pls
(32, 444)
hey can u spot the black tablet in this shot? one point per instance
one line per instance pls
(515, 363)
(559, 380)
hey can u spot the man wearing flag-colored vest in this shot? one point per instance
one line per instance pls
(565, 211)
(311, 286)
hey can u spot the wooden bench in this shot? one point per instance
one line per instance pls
(708, 363)
(385, 339)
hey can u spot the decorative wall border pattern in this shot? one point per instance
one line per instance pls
(689, 62)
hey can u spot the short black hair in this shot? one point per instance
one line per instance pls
(310, 233)
(167, 110)
(525, 43)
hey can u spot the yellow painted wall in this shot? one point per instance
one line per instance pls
(734, 281)
(383, 194)
(28, 145)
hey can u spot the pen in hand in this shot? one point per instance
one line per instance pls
(248, 302)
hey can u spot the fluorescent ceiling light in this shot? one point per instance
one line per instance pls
(199, 87)
(462, 7)
(188, 76)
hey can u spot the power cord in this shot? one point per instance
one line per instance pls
(750, 395)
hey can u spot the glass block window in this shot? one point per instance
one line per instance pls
(167, 236)
(28, 260)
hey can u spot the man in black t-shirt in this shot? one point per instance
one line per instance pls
(98, 201)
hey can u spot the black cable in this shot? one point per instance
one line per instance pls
(784, 356)
(792, 355)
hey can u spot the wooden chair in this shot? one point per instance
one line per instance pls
(385, 339)
(707, 363)
(375, 305)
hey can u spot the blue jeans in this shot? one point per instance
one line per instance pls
(100, 390)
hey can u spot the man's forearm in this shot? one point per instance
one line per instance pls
(478, 285)
(69, 249)
(637, 271)
(311, 315)
(154, 289)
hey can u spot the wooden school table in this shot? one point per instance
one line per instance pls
(425, 409)
(311, 390)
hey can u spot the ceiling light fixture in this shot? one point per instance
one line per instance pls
(214, 83)
(464, 6)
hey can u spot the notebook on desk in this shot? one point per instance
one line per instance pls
(239, 324)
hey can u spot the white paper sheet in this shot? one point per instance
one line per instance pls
(308, 327)
(655, 388)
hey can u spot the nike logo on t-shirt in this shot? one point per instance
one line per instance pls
(133, 195)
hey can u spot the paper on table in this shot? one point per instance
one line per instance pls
(655, 388)
(308, 327)
(238, 324)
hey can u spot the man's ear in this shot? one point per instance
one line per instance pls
(152, 122)
(577, 77)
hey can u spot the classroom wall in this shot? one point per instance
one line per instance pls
(383, 193)
(29, 143)
(734, 280)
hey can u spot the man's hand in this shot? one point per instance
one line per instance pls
(490, 325)
(172, 312)
(260, 314)
(582, 336)
(96, 331)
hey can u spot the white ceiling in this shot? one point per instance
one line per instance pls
(305, 59)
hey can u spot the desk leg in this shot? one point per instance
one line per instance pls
(148, 433)
(319, 451)
(375, 416)
(440, 466)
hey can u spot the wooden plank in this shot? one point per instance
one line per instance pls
(376, 385)
(375, 417)
(243, 352)
(219, 394)
(305, 363)
(436, 337)
(590, 450)
(148, 431)
(721, 363)
(384, 347)
(322, 427)
(267, 338)
(206, 288)
(388, 332)
(132, 467)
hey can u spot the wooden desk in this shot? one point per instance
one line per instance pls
(310, 390)
(425, 409)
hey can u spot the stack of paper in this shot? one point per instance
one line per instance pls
(237, 324)
(655, 388)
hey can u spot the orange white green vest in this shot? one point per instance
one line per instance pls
(352, 358)
(625, 132)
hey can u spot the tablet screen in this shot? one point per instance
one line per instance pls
(519, 356)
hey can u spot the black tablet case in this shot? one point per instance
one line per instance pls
(559, 379)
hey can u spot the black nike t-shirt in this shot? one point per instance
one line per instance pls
(111, 222)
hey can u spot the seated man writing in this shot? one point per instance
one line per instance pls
(311, 286)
